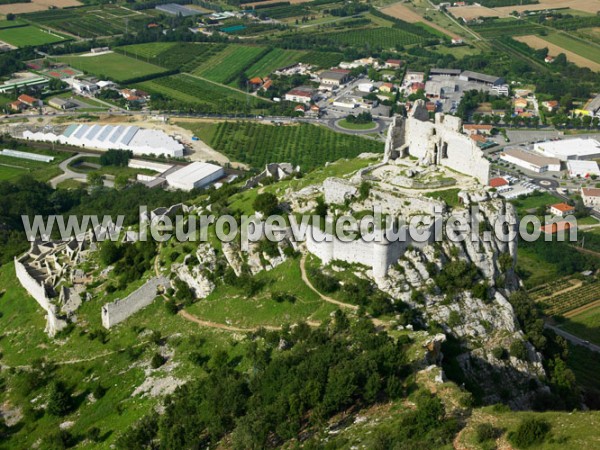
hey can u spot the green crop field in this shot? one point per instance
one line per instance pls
(29, 35)
(591, 52)
(322, 59)
(113, 66)
(273, 60)
(188, 89)
(92, 21)
(309, 146)
(182, 55)
(375, 37)
(226, 66)
(585, 325)
(506, 27)
(148, 51)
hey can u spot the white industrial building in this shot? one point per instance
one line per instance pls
(195, 175)
(140, 141)
(578, 148)
(530, 161)
(583, 169)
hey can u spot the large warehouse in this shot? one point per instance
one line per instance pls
(578, 148)
(195, 175)
(140, 141)
(530, 161)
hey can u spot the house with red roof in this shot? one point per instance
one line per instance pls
(561, 209)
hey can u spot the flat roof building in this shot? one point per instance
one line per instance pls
(194, 176)
(444, 72)
(490, 80)
(578, 148)
(334, 77)
(530, 161)
(583, 169)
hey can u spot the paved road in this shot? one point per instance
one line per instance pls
(573, 339)
(69, 174)
(380, 126)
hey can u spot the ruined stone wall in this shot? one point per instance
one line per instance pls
(119, 310)
(37, 290)
(378, 256)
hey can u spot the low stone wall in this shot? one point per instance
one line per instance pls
(119, 310)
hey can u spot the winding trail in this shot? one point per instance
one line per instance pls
(323, 297)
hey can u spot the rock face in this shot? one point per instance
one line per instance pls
(196, 276)
(480, 325)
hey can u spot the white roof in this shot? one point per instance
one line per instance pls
(193, 173)
(567, 147)
(590, 167)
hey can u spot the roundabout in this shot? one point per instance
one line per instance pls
(344, 126)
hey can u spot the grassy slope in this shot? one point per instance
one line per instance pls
(585, 325)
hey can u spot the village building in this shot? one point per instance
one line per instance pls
(561, 209)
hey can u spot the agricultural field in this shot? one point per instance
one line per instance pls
(113, 66)
(403, 12)
(506, 27)
(375, 37)
(306, 145)
(11, 168)
(188, 89)
(92, 21)
(323, 60)
(553, 50)
(227, 65)
(28, 36)
(182, 55)
(571, 299)
(585, 324)
(273, 60)
(36, 5)
(581, 48)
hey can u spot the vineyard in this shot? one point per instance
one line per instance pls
(548, 289)
(273, 60)
(375, 37)
(306, 145)
(184, 56)
(190, 90)
(90, 22)
(572, 299)
(225, 66)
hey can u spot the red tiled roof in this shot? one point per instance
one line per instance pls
(591, 192)
(255, 80)
(556, 227)
(27, 98)
(498, 182)
(563, 207)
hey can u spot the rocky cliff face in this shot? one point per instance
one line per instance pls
(475, 312)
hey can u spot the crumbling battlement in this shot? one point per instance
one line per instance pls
(436, 143)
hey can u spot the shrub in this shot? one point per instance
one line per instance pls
(157, 361)
(454, 319)
(499, 353)
(530, 432)
(171, 307)
(518, 350)
(485, 432)
(266, 203)
(59, 400)
(99, 391)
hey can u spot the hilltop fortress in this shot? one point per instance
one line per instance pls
(435, 143)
